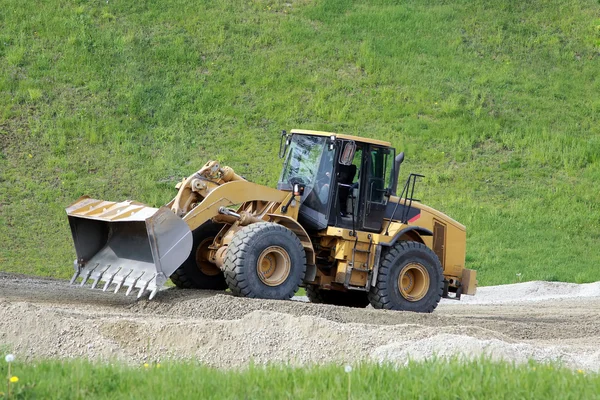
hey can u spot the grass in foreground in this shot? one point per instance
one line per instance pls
(481, 379)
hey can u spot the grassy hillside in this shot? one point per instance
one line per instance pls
(497, 103)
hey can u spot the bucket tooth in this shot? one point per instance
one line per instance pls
(141, 292)
(120, 280)
(99, 277)
(110, 280)
(153, 293)
(118, 287)
(87, 275)
(145, 286)
(75, 276)
(94, 284)
(132, 286)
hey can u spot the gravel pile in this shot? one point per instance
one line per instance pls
(41, 318)
(533, 291)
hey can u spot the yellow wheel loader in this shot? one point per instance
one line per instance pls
(335, 225)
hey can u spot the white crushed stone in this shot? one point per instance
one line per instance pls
(531, 291)
(446, 346)
(543, 321)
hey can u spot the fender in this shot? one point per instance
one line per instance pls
(294, 226)
(417, 229)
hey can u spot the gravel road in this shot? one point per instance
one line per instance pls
(47, 318)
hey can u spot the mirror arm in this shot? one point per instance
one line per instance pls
(298, 190)
(281, 147)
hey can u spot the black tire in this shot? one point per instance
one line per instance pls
(352, 298)
(414, 260)
(274, 245)
(190, 275)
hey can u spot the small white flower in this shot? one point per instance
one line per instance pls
(348, 369)
(9, 358)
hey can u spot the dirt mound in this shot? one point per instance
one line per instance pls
(42, 318)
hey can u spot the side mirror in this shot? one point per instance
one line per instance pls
(348, 154)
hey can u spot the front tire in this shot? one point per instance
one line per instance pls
(410, 278)
(197, 272)
(265, 260)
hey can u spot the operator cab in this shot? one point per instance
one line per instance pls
(347, 180)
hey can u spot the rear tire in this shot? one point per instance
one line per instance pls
(410, 278)
(265, 260)
(351, 298)
(197, 272)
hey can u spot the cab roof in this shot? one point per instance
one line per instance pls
(341, 136)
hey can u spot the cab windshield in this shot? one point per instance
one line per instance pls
(302, 161)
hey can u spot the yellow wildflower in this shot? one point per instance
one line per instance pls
(146, 365)
(14, 379)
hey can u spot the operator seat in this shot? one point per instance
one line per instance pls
(346, 174)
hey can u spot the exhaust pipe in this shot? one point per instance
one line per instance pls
(126, 244)
(397, 161)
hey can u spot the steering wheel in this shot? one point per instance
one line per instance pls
(297, 180)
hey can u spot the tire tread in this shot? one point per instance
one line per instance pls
(234, 270)
(379, 293)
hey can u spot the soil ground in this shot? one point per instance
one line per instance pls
(544, 321)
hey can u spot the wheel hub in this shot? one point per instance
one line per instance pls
(413, 282)
(273, 266)
(202, 258)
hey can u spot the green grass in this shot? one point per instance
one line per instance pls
(495, 102)
(428, 380)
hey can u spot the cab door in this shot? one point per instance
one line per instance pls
(346, 201)
(379, 165)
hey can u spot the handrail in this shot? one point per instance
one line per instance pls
(407, 199)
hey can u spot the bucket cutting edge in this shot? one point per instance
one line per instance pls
(126, 244)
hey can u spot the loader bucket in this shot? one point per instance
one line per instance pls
(127, 244)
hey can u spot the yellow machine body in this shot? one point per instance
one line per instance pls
(131, 245)
(448, 242)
